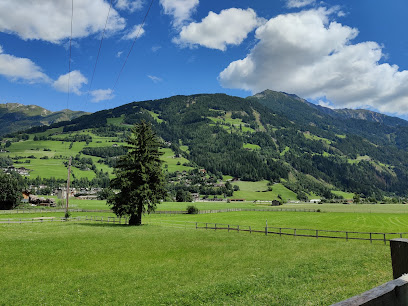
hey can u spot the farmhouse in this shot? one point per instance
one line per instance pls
(316, 201)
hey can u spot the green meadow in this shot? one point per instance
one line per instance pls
(251, 191)
(88, 263)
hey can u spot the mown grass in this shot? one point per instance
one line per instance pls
(173, 163)
(251, 191)
(359, 222)
(76, 263)
(355, 208)
(345, 195)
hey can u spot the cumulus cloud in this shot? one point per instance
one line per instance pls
(308, 54)
(75, 80)
(50, 20)
(235, 24)
(180, 10)
(155, 79)
(299, 3)
(21, 69)
(102, 95)
(128, 5)
(137, 31)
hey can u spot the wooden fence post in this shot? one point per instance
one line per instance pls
(317, 234)
(266, 227)
(399, 256)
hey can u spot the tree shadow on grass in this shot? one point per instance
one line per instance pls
(111, 225)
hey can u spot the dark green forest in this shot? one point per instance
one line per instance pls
(272, 136)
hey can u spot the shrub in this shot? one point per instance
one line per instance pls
(192, 210)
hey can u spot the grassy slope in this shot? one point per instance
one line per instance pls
(71, 263)
(251, 191)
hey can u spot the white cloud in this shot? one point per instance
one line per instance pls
(50, 20)
(21, 69)
(155, 79)
(136, 31)
(128, 5)
(119, 54)
(308, 54)
(299, 3)
(75, 79)
(325, 104)
(181, 10)
(235, 24)
(102, 94)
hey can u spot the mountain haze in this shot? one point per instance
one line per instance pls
(16, 117)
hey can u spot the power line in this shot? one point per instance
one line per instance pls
(70, 47)
(100, 46)
(69, 62)
(134, 41)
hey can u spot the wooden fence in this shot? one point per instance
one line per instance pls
(301, 232)
(267, 230)
(166, 212)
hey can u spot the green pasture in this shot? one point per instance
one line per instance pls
(359, 222)
(155, 116)
(237, 122)
(116, 121)
(315, 137)
(251, 191)
(71, 263)
(345, 195)
(171, 161)
(251, 146)
(355, 208)
(50, 167)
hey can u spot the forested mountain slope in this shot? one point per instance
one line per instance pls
(16, 117)
(272, 136)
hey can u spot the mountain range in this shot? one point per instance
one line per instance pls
(272, 135)
(17, 117)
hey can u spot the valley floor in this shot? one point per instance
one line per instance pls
(168, 261)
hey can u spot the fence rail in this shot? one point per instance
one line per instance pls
(301, 232)
(281, 231)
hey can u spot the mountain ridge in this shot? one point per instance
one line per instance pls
(15, 117)
(272, 136)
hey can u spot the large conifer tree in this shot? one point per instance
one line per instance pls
(139, 176)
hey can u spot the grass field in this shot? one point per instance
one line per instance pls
(251, 191)
(92, 263)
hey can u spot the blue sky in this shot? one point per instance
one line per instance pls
(335, 53)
